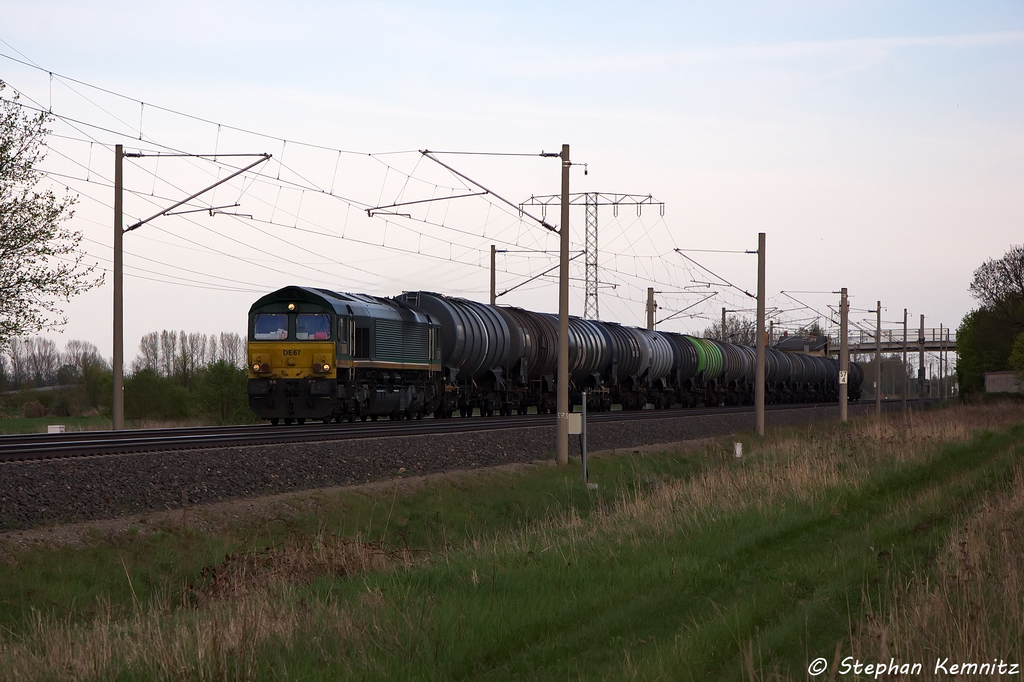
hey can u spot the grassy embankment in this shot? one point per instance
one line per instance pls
(39, 424)
(898, 537)
(12, 425)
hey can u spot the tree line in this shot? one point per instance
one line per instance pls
(175, 376)
(991, 337)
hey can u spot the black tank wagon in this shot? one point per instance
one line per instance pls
(323, 355)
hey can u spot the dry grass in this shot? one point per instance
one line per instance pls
(298, 561)
(219, 641)
(217, 627)
(797, 466)
(974, 611)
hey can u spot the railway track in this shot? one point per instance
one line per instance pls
(14, 448)
(70, 477)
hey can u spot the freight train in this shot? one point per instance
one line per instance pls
(316, 354)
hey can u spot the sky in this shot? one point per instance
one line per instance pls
(878, 145)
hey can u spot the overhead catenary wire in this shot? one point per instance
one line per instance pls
(631, 267)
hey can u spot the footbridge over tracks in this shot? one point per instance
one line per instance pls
(935, 340)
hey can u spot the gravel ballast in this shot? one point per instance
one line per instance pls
(74, 490)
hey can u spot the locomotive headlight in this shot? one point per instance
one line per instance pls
(327, 368)
(256, 367)
(321, 367)
(291, 306)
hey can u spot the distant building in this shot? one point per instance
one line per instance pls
(811, 345)
(1003, 382)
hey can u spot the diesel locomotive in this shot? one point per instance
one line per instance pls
(323, 355)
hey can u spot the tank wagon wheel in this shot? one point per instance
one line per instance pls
(274, 421)
(373, 417)
(288, 420)
(300, 420)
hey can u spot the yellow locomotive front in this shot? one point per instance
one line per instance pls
(292, 358)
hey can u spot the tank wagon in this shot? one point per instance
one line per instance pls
(322, 355)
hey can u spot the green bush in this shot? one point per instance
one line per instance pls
(1017, 356)
(147, 395)
(222, 393)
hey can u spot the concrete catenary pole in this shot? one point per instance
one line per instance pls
(878, 358)
(844, 356)
(494, 295)
(562, 381)
(759, 363)
(906, 379)
(651, 307)
(920, 365)
(117, 398)
(942, 362)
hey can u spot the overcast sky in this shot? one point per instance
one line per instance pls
(879, 145)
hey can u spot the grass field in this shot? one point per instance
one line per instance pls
(897, 538)
(12, 425)
(39, 424)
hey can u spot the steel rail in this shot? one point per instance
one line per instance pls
(26, 447)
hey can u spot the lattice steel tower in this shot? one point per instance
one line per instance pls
(590, 201)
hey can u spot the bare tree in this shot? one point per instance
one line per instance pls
(191, 356)
(232, 348)
(81, 356)
(149, 353)
(43, 360)
(999, 284)
(168, 352)
(182, 354)
(40, 263)
(739, 330)
(19, 361)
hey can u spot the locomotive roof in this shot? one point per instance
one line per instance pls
(343, 303)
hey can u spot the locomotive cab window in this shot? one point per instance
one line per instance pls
(313, 326)
(270, 327)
